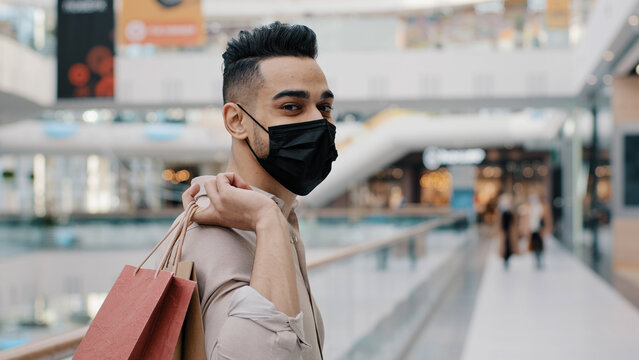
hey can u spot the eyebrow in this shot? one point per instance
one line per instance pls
(302, 94)
(328, 95)
(292, 93)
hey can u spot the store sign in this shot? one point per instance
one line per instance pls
(163, 132)
(435, 157)
(161, 22)
(85, 48)
(60, 129)
(558, 14)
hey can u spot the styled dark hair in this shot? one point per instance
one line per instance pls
(244, 53)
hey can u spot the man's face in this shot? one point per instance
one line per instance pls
(294, 90)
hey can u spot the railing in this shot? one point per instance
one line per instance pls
(63, 345)
(55, 347)
(361, 212)
(387, 242)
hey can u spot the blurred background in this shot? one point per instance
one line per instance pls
(108, 109)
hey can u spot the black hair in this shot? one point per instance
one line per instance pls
(244, 53)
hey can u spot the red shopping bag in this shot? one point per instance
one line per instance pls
(143, 313)
(141, 318)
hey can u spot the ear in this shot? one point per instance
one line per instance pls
(233, 121)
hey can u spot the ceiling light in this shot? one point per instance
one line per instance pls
(569, 128)
(90, 116)
(633, 20)
(608, 56)
(607, 79)
(592, 80)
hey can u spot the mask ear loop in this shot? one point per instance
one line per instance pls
(258, 123)
(252, 118)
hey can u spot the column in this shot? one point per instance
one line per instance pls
(625, 215)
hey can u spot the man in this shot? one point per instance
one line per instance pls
(250, 261)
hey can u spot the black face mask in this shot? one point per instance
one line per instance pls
(300, 155)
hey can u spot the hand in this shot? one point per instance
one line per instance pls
(232, 203)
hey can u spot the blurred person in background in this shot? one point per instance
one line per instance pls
(507, 228)
(249, 258)
(539, 224)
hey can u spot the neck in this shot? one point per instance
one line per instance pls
(244, 164)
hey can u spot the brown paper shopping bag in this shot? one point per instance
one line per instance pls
(190, 344)
(144, 312)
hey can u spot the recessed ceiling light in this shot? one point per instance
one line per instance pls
(607, 79)
(90, 116)
(592, 80)
(608, 56)
(633, 20)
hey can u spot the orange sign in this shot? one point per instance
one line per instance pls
(161, 22)
(516, 4)
(558, 14)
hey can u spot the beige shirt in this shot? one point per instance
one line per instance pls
(239, 323)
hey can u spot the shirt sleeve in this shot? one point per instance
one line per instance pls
(239, 323)
(255, 328)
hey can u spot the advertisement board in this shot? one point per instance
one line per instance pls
(85, 48)
(161, 22)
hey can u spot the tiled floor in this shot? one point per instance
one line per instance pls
(562, 312)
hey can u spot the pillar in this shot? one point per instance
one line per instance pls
(625, 216)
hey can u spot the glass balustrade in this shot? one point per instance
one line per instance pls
(43, 291)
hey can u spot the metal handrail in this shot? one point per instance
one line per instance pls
(63, 344)
(54, 347)
(358, 213)
(350, 251)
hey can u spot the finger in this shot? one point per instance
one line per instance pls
(208, 215)
(224, 181)
(211, 191)
(188, 196)
(201, 214)
(239, 182)
(235, 180)
(224, 187)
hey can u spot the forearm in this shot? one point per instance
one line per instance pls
(273, 273)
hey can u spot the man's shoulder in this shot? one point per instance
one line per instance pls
(221, 256)
(218, 241)
(195, 230)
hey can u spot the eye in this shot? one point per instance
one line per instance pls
(291, 107)
(325, 108)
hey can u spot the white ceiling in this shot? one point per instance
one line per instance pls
(264, 9)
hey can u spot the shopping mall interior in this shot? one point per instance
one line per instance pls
(449, 113)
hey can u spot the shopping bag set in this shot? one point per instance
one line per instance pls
(151, 313)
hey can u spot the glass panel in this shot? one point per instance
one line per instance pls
(373, 302)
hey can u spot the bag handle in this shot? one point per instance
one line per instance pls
(183, 221)
(175, 225)
(170, 253)
(175, 255)
(181, 240)
(169, 249)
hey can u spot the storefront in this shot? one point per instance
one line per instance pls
(460, 179)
